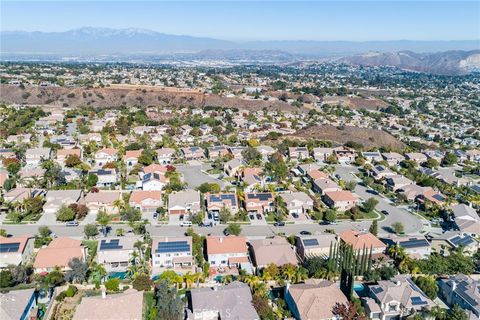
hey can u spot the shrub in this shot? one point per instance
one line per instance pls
(112, 284)
(61, 296)
(71, 291)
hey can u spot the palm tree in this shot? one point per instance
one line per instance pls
(252, 281)
(300, 274)
(189, 279)
(261, 289)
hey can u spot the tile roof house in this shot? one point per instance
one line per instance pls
(226, 251)
(55, 199)
(34, 156)
(121, 306)
(145, 201)
(232, 301)
(217, 152)
(315, 245)
(165, 155)
(58, 254)
(154, 181)
(398, 182)
(18, 304)
(417, 247)
(262, 202)
(466, 219)
(184, 202)
(323, 185)
(232, 167)
(217, 201)
(298, 153)
(342, 200)
(416, 156)
(172, 253)
(106, 177)
(20, 194)
(317, 174)
(105, 156)
(450, 240)
(252, 177)
(372, 156)
(399, 297)
(63, 154)
(358, 240)
(463, 291)
(297, 202)
(393, 158)
(115, 254)
(313, 299)
(265, 151)
(131, 158)
(103, 200)
(277, 251)
(16, 250)
(322, 154)
(193, 153)
(380, 172)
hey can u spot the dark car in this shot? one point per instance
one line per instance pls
(259, 216)
(385, 212)
(226, 232)
(324, 223)
(279, 224)
(305, 233)
(252, 217)
(372, 192)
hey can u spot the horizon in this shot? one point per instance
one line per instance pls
(355, 21)
(234, 40)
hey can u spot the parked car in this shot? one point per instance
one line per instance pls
(385, 212)
(324, 223)
(259, 216)
(186, 223)
(279, 224)
(226, 232)
(252, 217)
(305, 233)
(295, 215)
(72, 224)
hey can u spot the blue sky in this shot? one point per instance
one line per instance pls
(257, 20)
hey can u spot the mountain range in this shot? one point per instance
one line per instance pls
(123, 44)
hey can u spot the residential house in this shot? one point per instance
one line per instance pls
(398, 182)
(18, 305)
(103, 200)
(341, 200)
(115, 254)
(417, 247)
(232, 167)
(297, 202)
(305, 168)
(131, 158)
(173, 253)
(236, 152)
(58, 254)
(324, 185)
(298, 153)
(33, 157)
(184, 202)
(218, 201)
(380, 172)
(322, 154)
(277, 251)
(217, 152)
(127, 305)
(313, 299)
(63, 154)
(466, 219)
(265, 151)
(16, 250)
(165, 155)
(360, 240)
(261, 202)
(445, 243)
(398, 298)
(463, 291)
(30, 175)
(317, 245)
(231, 301)
(55, 199)
(416, 156)
(106, 177)
(392, 158)
(253, 178)
(193, 153)
(154, 181)
(372, 156)
(146, 201)
(228, 251)
(344, 155)
(316, 174)
(433, 197)
(21, 194)
(105, 156)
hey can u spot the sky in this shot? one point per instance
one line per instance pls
(257, 20)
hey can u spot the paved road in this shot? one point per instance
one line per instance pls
(194, 175)
(412, 223)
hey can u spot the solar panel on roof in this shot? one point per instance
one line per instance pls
(173, 246)
(9, 247)
(310, 242)
(414, 243)
(438, 197)
(113, 244)
(376, 290)
(459, 241)
(417, 301)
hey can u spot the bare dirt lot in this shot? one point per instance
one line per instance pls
(129, 96)
(369, 138)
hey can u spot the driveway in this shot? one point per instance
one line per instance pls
(195, 175)
(412, 223)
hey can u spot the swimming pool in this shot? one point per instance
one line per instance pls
(360, 289)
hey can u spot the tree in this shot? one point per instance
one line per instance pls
(169, 305)
(208, 187)
(374, 228)
(450, 159)
(147, 157)
(252, 156)
(142, 282)
(428, 285)
(262, 307)
(72, 161)
(369, 205)
(330, 215)
(332, 159)
(397, 227)
(92, 180)
(90, 230)
(44, 231)
(6, 279)
(19, 274)
(432, 163)
(350, 185)
(347, 311)
(225, 215)
(234, 228)
(3, 233)
(80, 210)
(78, 271)
(112, 284)
(65, 214)
(103, 219)
(457, 313)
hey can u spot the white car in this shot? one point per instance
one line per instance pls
(186, 223)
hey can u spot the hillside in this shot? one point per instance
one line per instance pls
(129, 96)
(369, 138)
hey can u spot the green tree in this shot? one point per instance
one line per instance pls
(169, 305)
(91, 181)
(234, 228)
(90, 230)
(369, 205)
(397, 227)
(450, 159)
(432, 163)
(428, 285)
(142, 282)
(112, 284)
(374, 228)
(65, 213)
(330, 215)
(252, 156)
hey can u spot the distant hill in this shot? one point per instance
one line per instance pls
(449, 62)
(90, 40)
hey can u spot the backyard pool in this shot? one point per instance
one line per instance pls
(360, 289)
